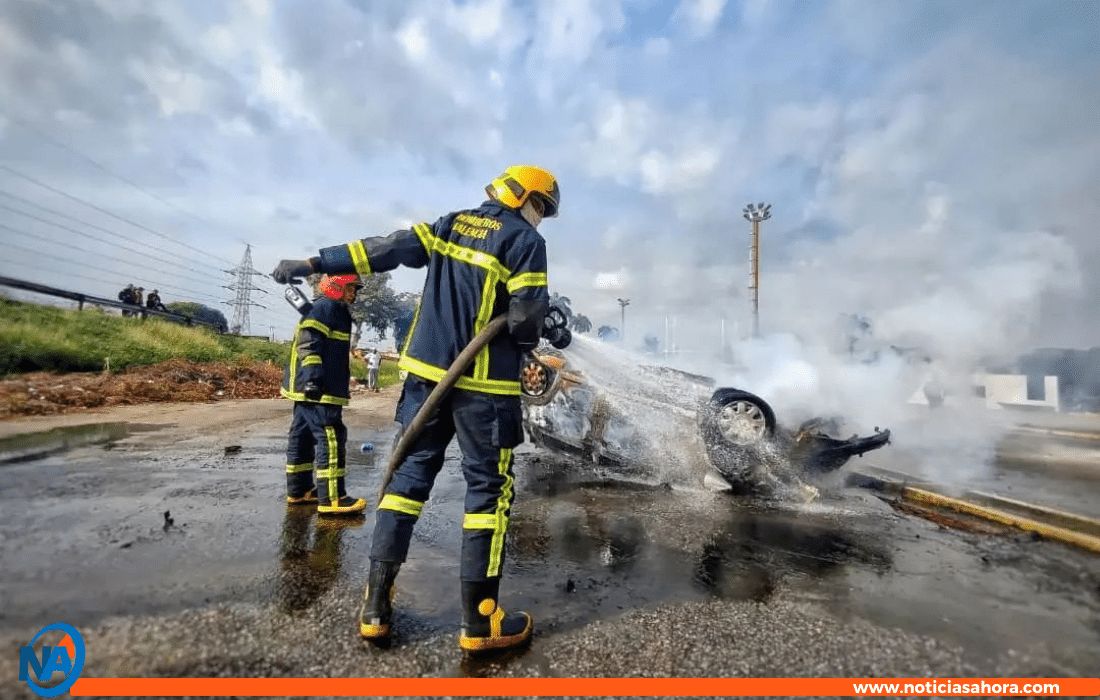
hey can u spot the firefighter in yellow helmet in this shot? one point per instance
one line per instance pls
(481, 263)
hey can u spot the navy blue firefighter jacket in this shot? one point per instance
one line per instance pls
(481, 263)
(321, 353)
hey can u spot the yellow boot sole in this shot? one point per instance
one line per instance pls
(476, 644)
(358, 506)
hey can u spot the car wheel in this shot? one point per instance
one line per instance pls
(738, 418)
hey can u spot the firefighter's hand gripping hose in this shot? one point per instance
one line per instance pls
(553, 330)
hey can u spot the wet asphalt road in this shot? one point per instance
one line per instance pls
(622, 580)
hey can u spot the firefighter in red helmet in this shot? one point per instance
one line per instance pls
(317, 380)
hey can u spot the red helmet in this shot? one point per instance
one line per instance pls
(333, 287)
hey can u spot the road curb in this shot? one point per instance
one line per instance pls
(1075, 530)
(1051, 532)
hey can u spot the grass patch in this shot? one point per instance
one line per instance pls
(34, 338)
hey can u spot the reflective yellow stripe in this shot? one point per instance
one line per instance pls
(340, 335)
(299, 468)
(427, 238)
(527, 279)
(331, 474)
(316, 325)
(479, 521)
(488, 296)
(311, 360)
(504, 387)
(401, 504)
(478, 258)
(359, 257)
(299, 396)
(333, 461)
(504, 502)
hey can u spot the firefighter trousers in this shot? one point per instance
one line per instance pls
(488, 427)
(316, 442)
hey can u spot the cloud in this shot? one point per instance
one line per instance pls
(700, 16)
(935, 167)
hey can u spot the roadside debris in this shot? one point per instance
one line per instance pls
(45, 393)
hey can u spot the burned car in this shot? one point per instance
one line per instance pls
(664, 426)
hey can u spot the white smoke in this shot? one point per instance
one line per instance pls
(941, 295)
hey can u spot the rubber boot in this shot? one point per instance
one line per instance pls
(377, 610)
(345, 506)
(485, 625)
(342, 504)
(309, 499)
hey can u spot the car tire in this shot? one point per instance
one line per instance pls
(737, 418)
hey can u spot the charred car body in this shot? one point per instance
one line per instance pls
(671, 427)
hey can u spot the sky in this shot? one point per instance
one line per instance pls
(932, 165)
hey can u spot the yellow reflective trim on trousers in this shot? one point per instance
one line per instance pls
(316, 325)
(504, 387)
(480, 521)
(333, 461)
(299, 468)
(331, 474)
(527, 279)
(504, 502)
(311, 360)
(359, 257)
(400, 504)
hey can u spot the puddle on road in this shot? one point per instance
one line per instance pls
(26, 447)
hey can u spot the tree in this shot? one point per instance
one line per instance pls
(557, 300)
(201, 313)
(608, 333)
(651, 344)
(580, 323)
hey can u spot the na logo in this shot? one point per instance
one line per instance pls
(66, 657)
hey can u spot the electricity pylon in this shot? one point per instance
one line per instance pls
(242, 284)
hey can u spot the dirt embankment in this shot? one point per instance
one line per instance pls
(176, 381)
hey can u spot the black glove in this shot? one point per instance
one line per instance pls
(288, 271)
(312, 391)
(559, 338)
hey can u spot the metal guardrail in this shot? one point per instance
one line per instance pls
(82, 299)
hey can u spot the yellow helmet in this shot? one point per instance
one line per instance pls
(519, 182)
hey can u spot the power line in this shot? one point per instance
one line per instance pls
(94, 238)
(38, 253)
(82, 250)
(86, 203)
(74, 219)
(86, 157)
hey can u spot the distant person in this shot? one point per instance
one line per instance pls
(318, 381)
(153, 302)
(374, 360)
(126, 296)
(137, 296)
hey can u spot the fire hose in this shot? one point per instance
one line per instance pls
(553, 327)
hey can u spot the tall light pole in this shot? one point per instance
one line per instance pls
(623, 303)
(756, 213)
